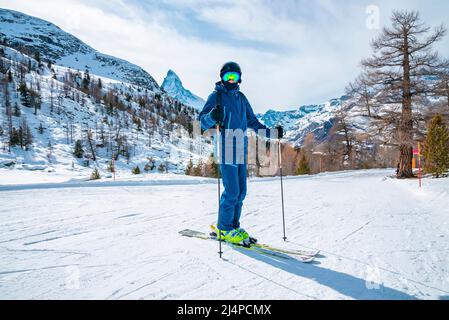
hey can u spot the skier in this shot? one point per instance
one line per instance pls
(230, 109)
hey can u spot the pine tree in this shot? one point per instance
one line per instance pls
(36, 100)
(95, 175)
(136, 170)
(138, 123)
(79, 152)
(8, 111)
(214, 169)
(26, 138)
(436, 147)
(14, 137)
(189, 168)
(162, 168)
(17, 111)
(303, 167)
(2, 67)
(10, 78)
(211, 167)
(86, 81)
(50, 151)
(198, 169)
(25, 96)
(37, 57)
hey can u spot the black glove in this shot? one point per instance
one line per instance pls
(217, 114)
(280, 132)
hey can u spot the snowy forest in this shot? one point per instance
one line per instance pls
(58, 114)
(56, 111)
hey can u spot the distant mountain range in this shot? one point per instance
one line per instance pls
(316, 119)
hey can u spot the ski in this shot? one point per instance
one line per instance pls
(293, 252)
(203, 236)
(254, 243)
(251, 247)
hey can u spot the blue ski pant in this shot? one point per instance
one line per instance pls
(231, 201)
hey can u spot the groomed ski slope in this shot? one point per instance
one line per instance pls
(380, 238)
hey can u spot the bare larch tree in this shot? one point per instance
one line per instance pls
(398, 72)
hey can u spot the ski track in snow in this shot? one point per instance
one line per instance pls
(380, 238)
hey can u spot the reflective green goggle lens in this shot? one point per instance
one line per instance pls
(231, 76)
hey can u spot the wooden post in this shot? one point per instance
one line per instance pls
(419, 164)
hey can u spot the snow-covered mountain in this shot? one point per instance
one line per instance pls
(35, 35)
(61, 48)
(317, 119)
(173, 86)
(115, 110)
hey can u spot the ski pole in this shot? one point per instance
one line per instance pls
(218, 175)
(282, 187)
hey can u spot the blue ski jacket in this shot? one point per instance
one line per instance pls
(238, 114)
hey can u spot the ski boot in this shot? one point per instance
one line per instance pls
(246, 236)
(231, 236)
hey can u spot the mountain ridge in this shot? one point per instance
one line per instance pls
(62, 48)
(316, 118)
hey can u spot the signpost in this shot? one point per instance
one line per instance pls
(418, 153)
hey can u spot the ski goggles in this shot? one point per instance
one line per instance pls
(228, 76)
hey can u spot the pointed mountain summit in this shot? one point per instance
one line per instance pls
(173, 86)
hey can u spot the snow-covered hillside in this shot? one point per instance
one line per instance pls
(173, 86)
(380, 238)
(116, 104)
(62, 48)
(74, 113)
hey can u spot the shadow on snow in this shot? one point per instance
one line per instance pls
(343, 283)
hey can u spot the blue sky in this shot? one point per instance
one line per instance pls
(292, 52)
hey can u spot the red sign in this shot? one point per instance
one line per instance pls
(415, 151)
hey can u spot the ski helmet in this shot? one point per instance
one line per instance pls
(231, 67)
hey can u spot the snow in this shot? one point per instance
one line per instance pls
(64, 49)
(380, 238)
(316, 119)
(173, 148)
(173, 86)
(36, 178)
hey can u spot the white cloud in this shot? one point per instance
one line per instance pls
(249, 20)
